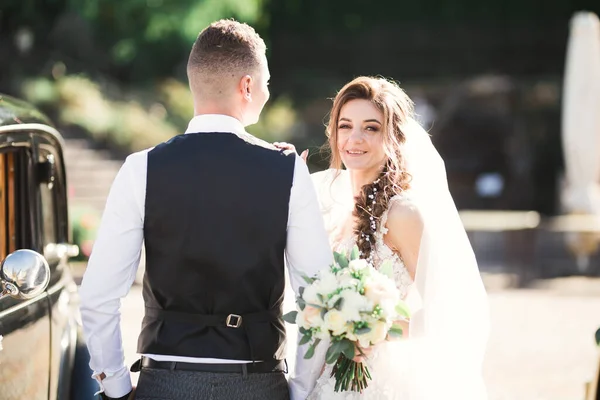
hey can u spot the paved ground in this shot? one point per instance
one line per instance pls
(541, 346)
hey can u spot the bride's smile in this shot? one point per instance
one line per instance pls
(360, 142)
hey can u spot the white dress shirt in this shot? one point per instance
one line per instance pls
(115, 258)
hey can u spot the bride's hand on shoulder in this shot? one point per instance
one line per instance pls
(291, 147)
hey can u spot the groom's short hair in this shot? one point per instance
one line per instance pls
(225, 47)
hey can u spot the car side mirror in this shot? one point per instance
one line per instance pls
(24, 274)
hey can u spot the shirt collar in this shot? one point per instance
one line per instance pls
(224, 123)
(216, 123)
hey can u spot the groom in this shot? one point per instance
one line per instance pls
(218, 211)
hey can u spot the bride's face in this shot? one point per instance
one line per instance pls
(360, 136)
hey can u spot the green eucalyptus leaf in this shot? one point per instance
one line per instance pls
(598, 337)
(305, 339)
(333, 353)
(301, 304)
(402, 309)
(308, 280)
(290, 317)
(348, 348)
(362, 331)
(338, 303)
(311, 350)
(355, 253)
(340, 259)
(387, 268)
(395, 331)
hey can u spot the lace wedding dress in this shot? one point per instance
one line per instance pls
(385, 362)
(443, 357)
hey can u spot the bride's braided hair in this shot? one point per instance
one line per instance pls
(373, 200)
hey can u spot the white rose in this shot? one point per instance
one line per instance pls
(378, 332)
(388, 309)
(309, 317)
(301, 320)
(328, 283)
(353, 304)
(335, 322)
(376, 335)
(351, 336)
(380, 290)
(363, 340)
(321, 334)
(346, 279)
(310, 294)
(357, 265)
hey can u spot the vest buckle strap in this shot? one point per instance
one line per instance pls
(233, 321)
(215, 320)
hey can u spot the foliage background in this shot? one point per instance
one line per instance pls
(486, 75)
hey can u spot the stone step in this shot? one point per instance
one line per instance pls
(79, 186)
(90, 173)
(94, 199)
(71, 144)
(83, 155)
(84, 145)
(87, 161)
(89, 178)
(82, 193)
(91, 184)
(95, 206)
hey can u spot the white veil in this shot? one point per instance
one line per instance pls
(450, 323)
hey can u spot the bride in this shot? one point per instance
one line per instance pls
(392, 201)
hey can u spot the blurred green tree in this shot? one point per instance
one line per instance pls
(133, 42)
(146, 39)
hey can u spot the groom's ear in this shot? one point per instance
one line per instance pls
(245, 87)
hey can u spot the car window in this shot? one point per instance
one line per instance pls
(8, 234)
(48, 209)
(11, 182)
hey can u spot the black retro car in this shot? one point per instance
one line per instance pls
(42, 353)
(592, 389)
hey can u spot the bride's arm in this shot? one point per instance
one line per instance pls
(405, 228)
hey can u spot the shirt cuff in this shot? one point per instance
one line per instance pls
(116, 385)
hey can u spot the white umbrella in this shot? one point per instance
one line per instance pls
(581, 126)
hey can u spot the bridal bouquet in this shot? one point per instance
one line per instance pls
(355, 306)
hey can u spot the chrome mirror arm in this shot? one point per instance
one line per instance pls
(9, 290)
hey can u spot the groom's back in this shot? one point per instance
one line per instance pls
(215, 226)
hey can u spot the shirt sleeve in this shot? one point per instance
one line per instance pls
(307, 252)
(110, 273)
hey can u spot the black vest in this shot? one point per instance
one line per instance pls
(215, 234)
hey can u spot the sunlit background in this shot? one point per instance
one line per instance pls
(505, 88)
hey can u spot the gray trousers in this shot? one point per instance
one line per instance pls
(163, 384)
